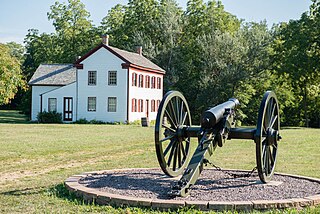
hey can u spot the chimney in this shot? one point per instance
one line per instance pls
(105, 40)
(139, 50)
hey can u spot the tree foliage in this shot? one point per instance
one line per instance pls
(10, 75)
(74, 35)
(208, 54)
(296, 55)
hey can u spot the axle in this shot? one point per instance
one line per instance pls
(235, 133)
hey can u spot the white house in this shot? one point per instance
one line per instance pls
(106, 84)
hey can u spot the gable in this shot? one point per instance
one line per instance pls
(130, 59)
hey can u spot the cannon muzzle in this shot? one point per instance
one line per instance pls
(212, 116)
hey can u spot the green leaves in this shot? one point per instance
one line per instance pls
(10, 75)
(296, 54)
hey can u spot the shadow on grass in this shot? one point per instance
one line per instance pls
(26, 191)
(12, 116)
(289, 127)
(60, 191)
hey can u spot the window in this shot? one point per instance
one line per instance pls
(112, 78)
(134, 79)
(52, 104)
(92, 78)
(158, 83)
(140, 105)
(92, 103)
(153, 106)
(147, 81)
(112, 104)
(134, 105)
(153, 82)
(141, 81)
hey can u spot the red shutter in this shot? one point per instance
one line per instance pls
(141, 82)
(141, 105)
(132, 107)
(132, 79)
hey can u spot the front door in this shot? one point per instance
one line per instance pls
(67, 108)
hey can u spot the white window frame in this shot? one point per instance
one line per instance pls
(54, 100)
(92, 78)
(112, 77)
(112, 105)
(92, 104)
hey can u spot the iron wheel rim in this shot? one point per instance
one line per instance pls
(267, 136)
(172, 151)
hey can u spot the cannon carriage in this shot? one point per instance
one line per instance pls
(174, 129)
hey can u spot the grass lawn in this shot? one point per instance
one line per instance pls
(35, 159)
(11, 116)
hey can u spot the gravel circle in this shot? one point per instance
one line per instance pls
(212, 185)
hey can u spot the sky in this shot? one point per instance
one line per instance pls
(17, 16)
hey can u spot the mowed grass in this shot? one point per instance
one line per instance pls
(35, 159)
(11, 116)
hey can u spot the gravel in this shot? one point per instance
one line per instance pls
(212, 185)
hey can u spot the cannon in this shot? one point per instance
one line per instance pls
(173, 130)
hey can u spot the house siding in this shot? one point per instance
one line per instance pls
(59, 94)
(145, 94)
(36, 99)
(102, 61)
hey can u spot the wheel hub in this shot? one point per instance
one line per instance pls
(180, 134)
(272, 136)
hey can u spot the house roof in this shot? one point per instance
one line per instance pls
(130, 58)
(54, 74)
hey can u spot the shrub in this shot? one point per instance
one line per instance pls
(136, 122)
(49, 117)
(97, 122)
(82, 121)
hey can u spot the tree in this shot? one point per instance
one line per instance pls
(10, 75)
(73, 29)
(112, 24)
(16, 50)
(296, 54)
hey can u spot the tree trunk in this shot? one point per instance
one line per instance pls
(305, 105)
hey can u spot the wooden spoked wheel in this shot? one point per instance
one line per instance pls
(172, 146)
(267, 136)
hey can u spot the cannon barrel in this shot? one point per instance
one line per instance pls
(212, 116)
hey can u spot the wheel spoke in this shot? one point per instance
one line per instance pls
(173, 113)
(170, 119)
(275, 146)
(264, 132)
(177, 111)
(268, 113)
(267, 163)
(272, 113)
(183, 150)
(184, 118)
(264, 153)
(181, 114)
(167, 127)
(271, 157)
(171, 154)
(265, 156)
(175, 157)
(168, 148)
(273, 120)
(179, 155)
(166, 138)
